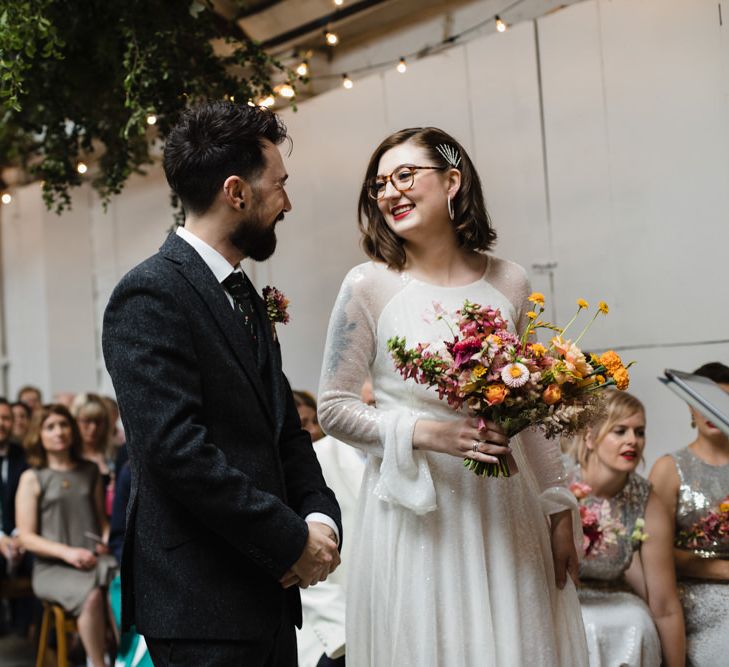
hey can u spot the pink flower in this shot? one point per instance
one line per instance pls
(464, 349)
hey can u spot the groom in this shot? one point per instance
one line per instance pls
(229, 513)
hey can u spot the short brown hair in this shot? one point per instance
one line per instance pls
(617, 405)
(472, 224)
(304, 398)
(34, 451)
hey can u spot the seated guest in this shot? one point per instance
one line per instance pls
(31, 396)
(13, 559)
(630, 556)
(61, 520)
(694, 484)
(94, 425)
(21, 419)
(306, 407)
(321, 641)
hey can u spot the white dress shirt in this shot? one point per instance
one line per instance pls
(221, 269)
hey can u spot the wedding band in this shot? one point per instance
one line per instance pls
(476, 443)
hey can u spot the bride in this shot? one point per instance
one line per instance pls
(447, 568)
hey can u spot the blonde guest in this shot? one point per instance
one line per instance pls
(633, 563)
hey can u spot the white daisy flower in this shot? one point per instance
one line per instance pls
(515, 375)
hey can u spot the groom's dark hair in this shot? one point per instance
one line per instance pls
(213, 141)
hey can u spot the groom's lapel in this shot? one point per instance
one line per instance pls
(274, 359)
(212, 293)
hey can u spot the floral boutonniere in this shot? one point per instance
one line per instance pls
(276, 307)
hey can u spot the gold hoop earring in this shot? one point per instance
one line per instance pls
(451, 213)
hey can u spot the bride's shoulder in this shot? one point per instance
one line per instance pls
(371, 276)
(505, 272)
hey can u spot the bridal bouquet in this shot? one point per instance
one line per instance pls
(709, 531)
(509, 379)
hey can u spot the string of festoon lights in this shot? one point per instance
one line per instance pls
(331, 39)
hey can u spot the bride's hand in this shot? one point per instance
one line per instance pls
(462, 438)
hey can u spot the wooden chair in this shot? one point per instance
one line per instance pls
(64, 625)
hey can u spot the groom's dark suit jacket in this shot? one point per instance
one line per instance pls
(222, 473)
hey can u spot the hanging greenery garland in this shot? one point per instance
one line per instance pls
(109, 77)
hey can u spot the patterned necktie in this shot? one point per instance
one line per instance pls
(238, 288)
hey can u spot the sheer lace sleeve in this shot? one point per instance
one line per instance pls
(349, 353)
(543, 456)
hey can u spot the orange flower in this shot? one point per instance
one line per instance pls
(622, 379)
(612, 361)
(537, 297)
(574, 360)
(532, 315)
(552, 394)
(495, 394)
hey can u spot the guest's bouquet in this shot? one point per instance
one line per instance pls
(509, 379)
(709, 531)
(599, 528)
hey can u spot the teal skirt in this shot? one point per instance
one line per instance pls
(132, 649)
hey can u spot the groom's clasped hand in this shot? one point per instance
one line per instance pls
(319, 560)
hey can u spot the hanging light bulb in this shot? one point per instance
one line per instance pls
(402, 66)
(338, 3)
(266, 101)
(6, 198)
(285, 90)
(81, 168)
(347, 82)
(500, 25)
(331, 38)
(151, 119)
(303, 68)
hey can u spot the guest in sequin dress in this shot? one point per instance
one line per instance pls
(633, 564)
(692, 482)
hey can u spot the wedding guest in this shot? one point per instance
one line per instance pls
(21, 419)
(13, 559)
(451, 568)
(633, 561)
(64, 398)
(693, 482)
(321, 639)
(31, 396)
(306, 407)
(61, 520)
(94, 426)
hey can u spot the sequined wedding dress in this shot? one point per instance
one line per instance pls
(447, 568)
(705, 602)
(618, 623)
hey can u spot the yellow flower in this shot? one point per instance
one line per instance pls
(532, 315)
(600, 379)
(494, 339)
(538, 350)
(612, 361)
(582, 304)
(622, 379)
(537, 297)
(479, 371)
(724, 507)
(603, 307)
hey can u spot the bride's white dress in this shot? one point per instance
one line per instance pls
(447, 568)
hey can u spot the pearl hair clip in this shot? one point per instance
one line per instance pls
(450, 154)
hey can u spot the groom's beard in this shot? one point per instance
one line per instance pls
(256, 238)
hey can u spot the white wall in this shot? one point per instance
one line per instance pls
(625, 190)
